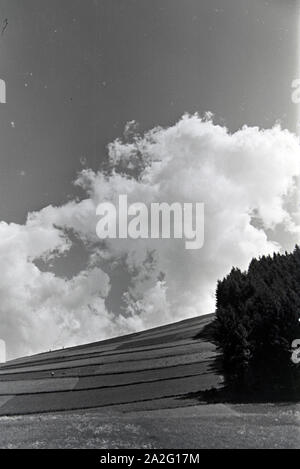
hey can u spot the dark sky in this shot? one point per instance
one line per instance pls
(78, 70)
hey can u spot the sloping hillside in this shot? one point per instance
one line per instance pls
(151, 369)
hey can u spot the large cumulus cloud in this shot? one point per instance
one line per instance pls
(249, 183)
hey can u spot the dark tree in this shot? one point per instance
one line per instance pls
(257, 318)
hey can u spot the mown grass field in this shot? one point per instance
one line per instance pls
(199, 426)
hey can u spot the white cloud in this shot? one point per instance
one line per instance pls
(39, 310)
(249, 183)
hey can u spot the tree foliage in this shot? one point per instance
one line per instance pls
(257, 318)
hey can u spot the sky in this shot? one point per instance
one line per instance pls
(76, 72)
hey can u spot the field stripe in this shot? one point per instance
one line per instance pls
(84, 399)
(98, 381)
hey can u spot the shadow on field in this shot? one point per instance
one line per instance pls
(234, 393)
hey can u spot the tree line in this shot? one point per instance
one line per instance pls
(257, 319)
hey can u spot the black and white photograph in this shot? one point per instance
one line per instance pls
(149, 227)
